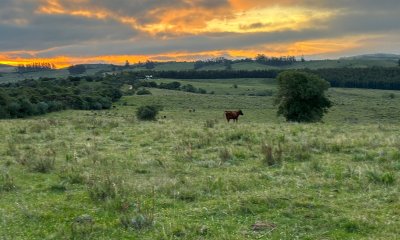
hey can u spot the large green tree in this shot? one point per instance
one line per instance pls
(301, 96)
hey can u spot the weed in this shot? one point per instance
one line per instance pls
(103, 188)
(137, 221)
(44, 164)
(6, 182)
(225, 155)
(271, 156)
(82, 227)
(210, 123)
(387, 178)
(316, 166)
(59, 187)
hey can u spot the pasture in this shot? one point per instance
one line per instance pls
(106, 175)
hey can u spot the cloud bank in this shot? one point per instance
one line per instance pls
(185, 29)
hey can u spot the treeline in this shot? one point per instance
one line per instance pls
(214, 61)
(215, 74)
(171, 86)
(373, 78)
(35, 67)
(36, 97)
(260, 58)
(275, 61)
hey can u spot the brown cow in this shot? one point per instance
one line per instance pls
(233, 115)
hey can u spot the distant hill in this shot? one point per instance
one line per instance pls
(376, 56)
(4, 68)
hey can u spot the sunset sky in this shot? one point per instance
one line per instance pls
(111, 31)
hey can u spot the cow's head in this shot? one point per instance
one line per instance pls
(240, 112)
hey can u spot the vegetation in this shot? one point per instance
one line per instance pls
(35, 67)
(147, 113)
(171, 86)
(192, 176)
(301, 96)
(143, 91)
(275, 61)
(77, 69)
(36, 97)
(373, 78)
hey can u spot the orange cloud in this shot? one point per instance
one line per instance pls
(238, 16)
(311, 47)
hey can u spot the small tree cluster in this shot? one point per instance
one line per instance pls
(301, 96)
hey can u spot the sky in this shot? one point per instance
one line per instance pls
(66, 32)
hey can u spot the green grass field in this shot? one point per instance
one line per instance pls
(191, 175)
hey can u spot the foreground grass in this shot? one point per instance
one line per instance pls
(104, 175)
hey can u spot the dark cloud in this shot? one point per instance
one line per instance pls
(45, 32)
(257, 25)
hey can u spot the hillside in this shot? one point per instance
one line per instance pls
(376, 57)
(6, 68)
(191, 175)
(366, 61)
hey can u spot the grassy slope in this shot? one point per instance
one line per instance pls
(201, 178)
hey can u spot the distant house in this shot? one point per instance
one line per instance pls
(148, 77)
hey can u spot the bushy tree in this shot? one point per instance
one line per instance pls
(147, 113)
(301, 96)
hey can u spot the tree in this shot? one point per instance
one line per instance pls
(126, 64)
(301, 96)
(77, 69)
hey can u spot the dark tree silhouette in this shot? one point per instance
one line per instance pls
(77, 69)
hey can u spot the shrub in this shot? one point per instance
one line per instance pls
(143, 91)
(301, 96)
(202, 91)
(147, 113)
(44, 164)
